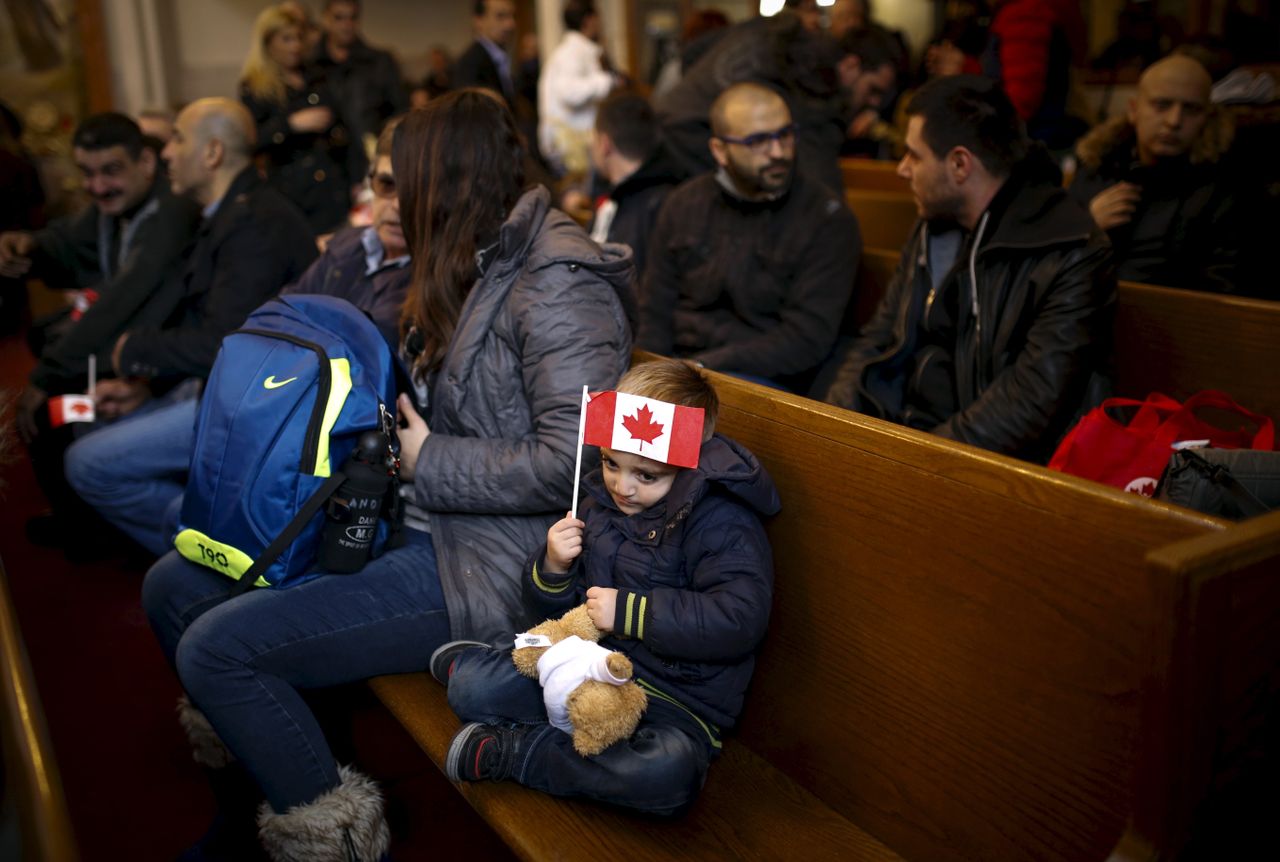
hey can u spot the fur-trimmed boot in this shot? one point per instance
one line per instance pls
(344, 825)
(233, 834)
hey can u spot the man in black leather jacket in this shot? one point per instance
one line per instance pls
(998, 318)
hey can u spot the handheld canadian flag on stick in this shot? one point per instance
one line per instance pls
(70, 408)
(577, 466)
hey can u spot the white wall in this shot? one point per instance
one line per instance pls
(207, 41)
(913, 17)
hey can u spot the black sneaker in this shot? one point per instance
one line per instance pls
(481, 751)
(441, 664)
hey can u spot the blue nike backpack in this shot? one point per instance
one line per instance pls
(289, 395)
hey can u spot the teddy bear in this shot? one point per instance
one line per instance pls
(588, 690)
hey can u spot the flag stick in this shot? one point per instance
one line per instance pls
(93, 373)
(577, 467)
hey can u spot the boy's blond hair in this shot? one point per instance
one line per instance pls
(675, 381)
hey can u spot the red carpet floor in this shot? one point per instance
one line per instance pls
(131, 786)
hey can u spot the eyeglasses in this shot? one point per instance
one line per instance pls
(382, 185)
(760, 141)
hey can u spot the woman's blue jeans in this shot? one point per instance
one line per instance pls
(243, 660)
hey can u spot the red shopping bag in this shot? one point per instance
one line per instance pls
(1132, 454)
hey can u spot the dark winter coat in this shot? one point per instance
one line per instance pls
(639, 198)
(89, 249)
(340, 272)
(547, 317)
(252, 246)
(368, 87)
(1045, 295)
(694, 575)
(475, 68)
(756, 288)
(313, 170)
(1188, 230)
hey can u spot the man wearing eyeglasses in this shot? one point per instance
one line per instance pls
(750, 267)
(368, 266)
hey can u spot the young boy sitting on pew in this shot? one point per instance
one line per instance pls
(676, 571)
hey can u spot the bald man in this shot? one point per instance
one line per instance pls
(1153, 181)
(750, 267)
(251, 243)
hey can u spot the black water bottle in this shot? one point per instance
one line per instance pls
(352, 513)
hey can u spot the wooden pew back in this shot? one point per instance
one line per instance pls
(31, 797)
(884, 217)
(1181, 341)
(954, 658)
(873, 174)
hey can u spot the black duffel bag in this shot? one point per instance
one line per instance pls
(1227, 483)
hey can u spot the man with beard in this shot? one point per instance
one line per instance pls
(999, 315)
(117, 253)
(827, 85)
(750, 267)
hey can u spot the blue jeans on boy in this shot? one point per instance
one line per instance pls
(243, 659)
(659, 770)
(132, 471)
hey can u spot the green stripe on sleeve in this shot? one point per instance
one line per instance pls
(544, 586)
(626, 617)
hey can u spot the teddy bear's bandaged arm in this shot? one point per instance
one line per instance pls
(564, 667)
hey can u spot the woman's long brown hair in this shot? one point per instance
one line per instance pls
(459, 168)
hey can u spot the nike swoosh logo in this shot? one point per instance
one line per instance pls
(272, 383)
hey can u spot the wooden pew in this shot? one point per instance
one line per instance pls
(873, 174)
(1181, 341)
(32, 787)
(969, 658)
(1166, 340)
(885, 218)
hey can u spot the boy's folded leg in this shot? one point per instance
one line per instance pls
(486, 687)
(659, 770)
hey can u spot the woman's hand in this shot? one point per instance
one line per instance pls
(564, 544)
(316, 119)
(411, 437)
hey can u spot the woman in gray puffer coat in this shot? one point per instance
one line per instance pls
(511, 310)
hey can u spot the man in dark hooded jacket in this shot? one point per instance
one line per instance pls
(999, 315)
(626, 152)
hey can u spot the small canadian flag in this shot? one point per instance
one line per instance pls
(664, 432)
(70, 408)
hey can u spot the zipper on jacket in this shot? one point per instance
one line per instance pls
(311, 443)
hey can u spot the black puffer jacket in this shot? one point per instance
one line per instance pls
(1045, 296)
(694, 575)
